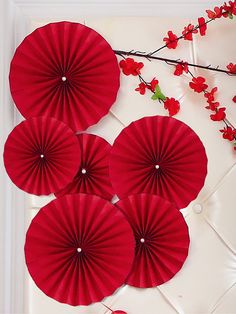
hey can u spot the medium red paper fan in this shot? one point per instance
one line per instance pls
(93, 175)
(67, 71)
(162, 239)
(41, 155)
(159, 155)
(79, 249)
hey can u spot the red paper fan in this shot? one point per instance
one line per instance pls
(79, 248)
(41, 155)
(162, 239)
(159, 155)
(93, 174)
(67, 71)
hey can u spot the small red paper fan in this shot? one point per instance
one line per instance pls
(67, 71)
(162, 239)
(79, 249)
(41, 155)
(159, 155)
(93, 175)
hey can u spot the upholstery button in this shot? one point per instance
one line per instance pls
(197, 208)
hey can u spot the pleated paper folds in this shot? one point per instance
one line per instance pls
(79, 249)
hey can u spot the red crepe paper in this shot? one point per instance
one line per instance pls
(79, 249)
(93, 175)
(158, 155)
(162, 239)
(67, 71)
(41, 155)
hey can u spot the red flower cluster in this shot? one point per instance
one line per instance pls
(226, 10)
(198, 84)
(230, 8)
(234, 99)
(202, 26)
(216, 14)
(172, 105)
(180, 68)
(232, 68)
(228, 133)
(189, 31)
(142, 87)
(171, 40)
(219, 115)
(212, 105)
(131, 67)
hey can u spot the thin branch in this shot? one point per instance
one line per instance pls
(180, 37)
(170, 61)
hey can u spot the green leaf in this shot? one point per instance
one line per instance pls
(157, 89)
(231, 16)
(154, 97)
(158, 95)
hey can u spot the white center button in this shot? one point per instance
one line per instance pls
(142, 240)
(79, 250)
(41, 156)
(157, 166)
(63, 78)
(84, 171)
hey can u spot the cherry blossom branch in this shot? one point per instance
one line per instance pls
(182, 36)
(199, 85)
(123, 53)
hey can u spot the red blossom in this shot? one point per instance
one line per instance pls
(171, 40)
(152, 85)
(228, 133)
(234, 99)
(198, 84)
(219, 115)
(232, 67)
(217, 13)
(189, 31)
(131, 67)
(202, 26)
(211, 95)
(213, 106)
(141, 88)
(119, 312)
(180, 68)
(172, 105)
(230, 8)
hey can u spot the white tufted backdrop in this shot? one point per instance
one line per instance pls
(206, 283)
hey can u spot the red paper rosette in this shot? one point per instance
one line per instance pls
(41, 155)
(79, 249)
(67, 71)
(93, 175)
(162, 239)
(159, 155)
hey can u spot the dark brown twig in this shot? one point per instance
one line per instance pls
(170, 61)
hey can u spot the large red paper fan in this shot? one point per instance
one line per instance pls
(79, 249)
(159, 155)
(93, 174)
(162, 239)
(41, 155)
(67, 71)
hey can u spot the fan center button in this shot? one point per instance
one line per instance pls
(83, 171)
(142, 240)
